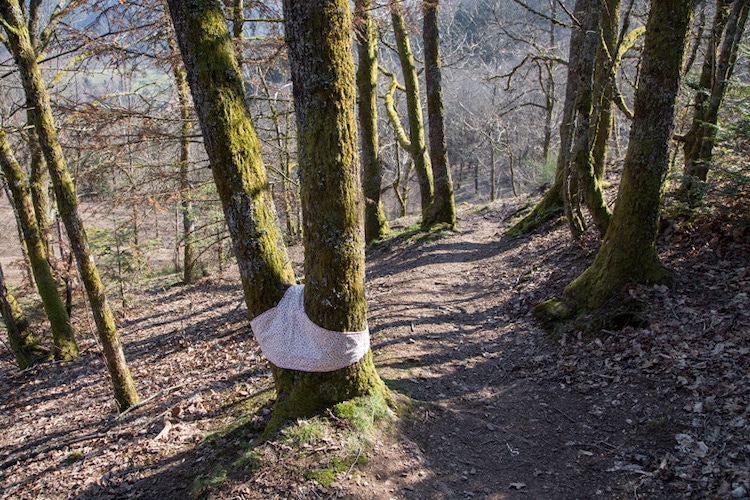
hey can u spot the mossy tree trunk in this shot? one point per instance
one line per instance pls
(38, 185)
(376, 224)
(24, 346)
(718, 66)
(25, 57)
(443, 208)
(318, 34)
(605, 66)
(418, 148)
(628, 251)
(233, 150)
(63, 334)
(584, 42)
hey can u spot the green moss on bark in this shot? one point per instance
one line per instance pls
(23, 344)
(376, 224)
(418, 149)
(234, 151)
(443, 207)
(628, 251)
(303, 394)
(63, 334)
(37, 97)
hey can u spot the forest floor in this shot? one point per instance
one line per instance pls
(655, 408)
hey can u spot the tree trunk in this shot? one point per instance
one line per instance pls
(443, 209)
(39, 184)
(418, 149)
(67, 201)
(628, 251)
(604, 78)
(376, 224)
(583, 48)
(319, 42)
(718, 66)
(233, 150)
(63, 334)
(24, 346)
(189, 270)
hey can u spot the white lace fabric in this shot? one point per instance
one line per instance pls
(289, 338)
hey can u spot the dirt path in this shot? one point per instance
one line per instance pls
(658, 411)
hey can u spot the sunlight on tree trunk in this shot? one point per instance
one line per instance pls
(321, 61)
(443, 208)
(62, 331)
(189, 261)
(717, 70)
(24, 346)
(67, 200)
(376, 225)
(234, 151)
(628, 251)
(418, 149)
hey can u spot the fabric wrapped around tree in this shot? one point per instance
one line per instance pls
(289, 338)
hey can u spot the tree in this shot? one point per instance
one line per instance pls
(189, 261)
(417, 147)
(628, 251)
(63, 334)
(443, 208)
(23, 344)
(376, 224)
(579, 162)
(319, 44)
(718, 66)
(25, 56)
(233, 150)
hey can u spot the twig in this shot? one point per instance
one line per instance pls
(359, 452)
(144, 402)
(564, 414)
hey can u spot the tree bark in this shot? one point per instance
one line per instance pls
(718, 66)
(233, 150)
(418, 149)
(318, 34)
(24, 346)
(628, 251)
(38, 185)
(67, 200)
(376, 224)
(63, 334)
(583, 49)
(605, 68)
(189, 271)
(443, 208)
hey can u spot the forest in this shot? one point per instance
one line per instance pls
(375, 249)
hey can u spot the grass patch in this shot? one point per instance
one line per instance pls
(205, 482)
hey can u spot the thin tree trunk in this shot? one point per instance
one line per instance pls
(715, 75)
(583, 49)
(604, 78)
(418, 149)
(23, 344)
(376, 224)
(24, 249)
(443, 208)
(39, 184)
(63, 334)
(233, 150)
(67, 201)
(319, 43)
(189, 271)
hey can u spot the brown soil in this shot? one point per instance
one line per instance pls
(655, 408)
